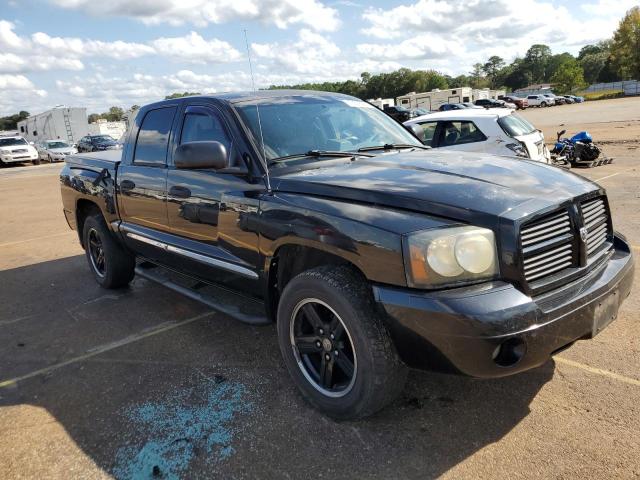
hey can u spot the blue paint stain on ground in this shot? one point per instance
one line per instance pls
(185, 423)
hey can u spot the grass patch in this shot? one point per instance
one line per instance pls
(602, 94)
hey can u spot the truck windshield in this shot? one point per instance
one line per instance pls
(514, 125)
(9, 142)
(298, 124)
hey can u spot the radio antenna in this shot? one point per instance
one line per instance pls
(253, 85)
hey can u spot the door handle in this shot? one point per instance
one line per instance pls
(126, 185)
(179, 192)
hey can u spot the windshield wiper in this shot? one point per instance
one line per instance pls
(319, 153)
(392, 146)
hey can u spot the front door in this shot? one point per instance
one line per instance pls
(210, 211)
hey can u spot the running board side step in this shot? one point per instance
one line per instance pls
(244, 309)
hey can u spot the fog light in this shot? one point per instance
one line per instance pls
(509, 352)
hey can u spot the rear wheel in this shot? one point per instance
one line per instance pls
(36, 161)
(111, 265)
(543, 104)
(335, 344)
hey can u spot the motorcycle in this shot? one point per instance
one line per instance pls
(579, 150)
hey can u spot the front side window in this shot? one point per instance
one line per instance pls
(459, 132)
(294, 125)
(153, 137)
(429, 130)
(201, 127)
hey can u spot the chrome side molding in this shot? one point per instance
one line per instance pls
(231, 267)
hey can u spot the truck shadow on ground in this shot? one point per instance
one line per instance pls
(211, 399)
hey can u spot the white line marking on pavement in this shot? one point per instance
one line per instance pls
(165, 327)
(613, 174)
(598, 371)
(18, 242)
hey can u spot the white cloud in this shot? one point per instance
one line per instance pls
(17, 93)
(420, 47)
(15, 82)
(43, 52)
(459, 34)
(194, 48)
(280, 13)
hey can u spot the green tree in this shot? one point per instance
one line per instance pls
(115, 114)
(492, 69)
(625, 48)
(10, 122)
(477, 79)
(180, 95)
(536, 60)
(94, 117)
(568, 77)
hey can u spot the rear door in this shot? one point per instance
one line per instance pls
(142, 181)
(461, 135)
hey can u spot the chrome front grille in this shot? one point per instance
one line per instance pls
(547, 246)
(596, 221)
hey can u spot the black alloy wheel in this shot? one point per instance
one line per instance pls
(96, 253)
(323, 348)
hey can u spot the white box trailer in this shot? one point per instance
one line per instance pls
(103, 127)
(433, 99)
(481, 93)
(64, 123)
(382, 102)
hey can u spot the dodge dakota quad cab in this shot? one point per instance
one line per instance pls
(370, 252)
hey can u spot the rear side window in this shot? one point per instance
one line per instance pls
(459, 132)
(153, 137)
(429, 130)
(200, 127)
(532, 97)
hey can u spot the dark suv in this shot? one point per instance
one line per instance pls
(96, 143)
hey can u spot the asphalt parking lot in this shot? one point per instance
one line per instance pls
(104, 384)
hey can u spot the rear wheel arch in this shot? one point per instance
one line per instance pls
(85, 208)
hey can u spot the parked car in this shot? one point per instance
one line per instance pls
(401, 114)
(96, 143)
(560, 100)
(55, 150)
(538, 101)
(498, 131)
(14, 149)
(368, 250)
(452, 106)
(568, 99)
(575, 98)
(417, 112)
(490, 103)
(551, 98)
(519, 102)
(470, 105)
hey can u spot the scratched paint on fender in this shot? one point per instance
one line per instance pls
(183, 424)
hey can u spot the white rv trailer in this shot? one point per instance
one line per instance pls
(103, 127)
(481, 93)
(64, 123)
(433, 99)
(382, 102)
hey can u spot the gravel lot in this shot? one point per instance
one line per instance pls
(102, 384)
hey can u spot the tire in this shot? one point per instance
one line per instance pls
(50, 159)
(344, 305)
(114, 267)
(543, 104)
(36, 161)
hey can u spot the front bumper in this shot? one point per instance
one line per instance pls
(459, 330)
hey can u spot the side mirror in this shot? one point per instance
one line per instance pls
(561, 132)
(416, 130)
(196, 155)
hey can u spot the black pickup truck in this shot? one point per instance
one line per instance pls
(371, 252)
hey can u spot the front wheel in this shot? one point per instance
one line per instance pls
(111, 265)
(543, 104)
(36, 161)
(335, 344)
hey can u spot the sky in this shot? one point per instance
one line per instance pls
(99, 53)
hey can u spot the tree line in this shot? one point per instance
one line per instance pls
(610, 60)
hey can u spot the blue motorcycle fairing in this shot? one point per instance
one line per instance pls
(584, 137)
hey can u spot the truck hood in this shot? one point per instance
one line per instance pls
(455, 185)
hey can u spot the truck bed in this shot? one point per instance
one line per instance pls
(108, 159)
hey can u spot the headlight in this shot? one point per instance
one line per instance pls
(450, 255)
(518, 149)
